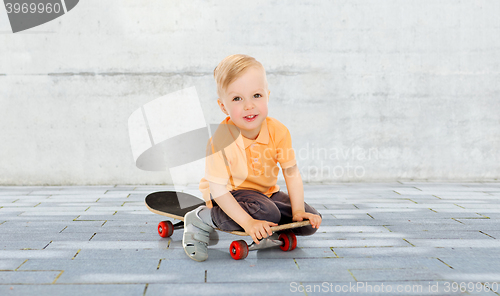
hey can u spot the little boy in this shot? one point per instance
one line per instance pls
(241, 171)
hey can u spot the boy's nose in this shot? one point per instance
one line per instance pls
(248, 105)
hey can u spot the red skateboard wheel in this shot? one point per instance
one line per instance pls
(294, 240)
(238, 249)
(289, 241)
(165, 228)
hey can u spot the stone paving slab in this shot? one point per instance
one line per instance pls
(81, 240)
(74, 290)
(41, 236)
(18, 204)
(10, 264)
(90, 276)
(29, 277)
(395, 274)
(493, 215)
(407, 235)
(35, 254)
(492, 233)
(464, 264)
(456, 243)
(24, 244)
(111, 229)
(101, 266)
(108, 245)
(406, 227)
(221, 289)
(372, 263)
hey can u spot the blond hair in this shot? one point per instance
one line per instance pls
(231, 68)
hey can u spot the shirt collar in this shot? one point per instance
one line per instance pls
(262, 138)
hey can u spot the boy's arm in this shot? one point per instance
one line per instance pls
(257, 229)
(295, 189)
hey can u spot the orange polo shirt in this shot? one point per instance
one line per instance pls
(244, 164)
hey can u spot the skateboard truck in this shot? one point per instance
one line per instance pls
(265, 243)
(179, 225)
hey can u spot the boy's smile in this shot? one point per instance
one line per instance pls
(245, 101)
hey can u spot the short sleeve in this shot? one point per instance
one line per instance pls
(216, 169)
(284, 150)
(205, 190)
(215, 172)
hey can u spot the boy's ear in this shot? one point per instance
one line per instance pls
(222, 107)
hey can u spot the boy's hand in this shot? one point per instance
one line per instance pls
(259, 229)
(315, 219)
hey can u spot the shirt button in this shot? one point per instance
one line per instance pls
(255, 159)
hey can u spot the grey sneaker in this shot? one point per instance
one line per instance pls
(196, 236)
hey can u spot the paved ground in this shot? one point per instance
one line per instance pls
(394, 238)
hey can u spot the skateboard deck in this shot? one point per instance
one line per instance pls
(175, 205)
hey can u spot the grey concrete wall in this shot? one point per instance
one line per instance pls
(370, 90)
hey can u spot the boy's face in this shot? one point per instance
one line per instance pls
(245, 101)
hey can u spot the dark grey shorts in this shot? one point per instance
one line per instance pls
(276, 208)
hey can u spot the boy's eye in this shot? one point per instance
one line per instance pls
(257, 95)
(237, 99)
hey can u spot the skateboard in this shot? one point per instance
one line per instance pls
(168, 203)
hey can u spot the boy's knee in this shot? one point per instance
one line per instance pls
(268, 212)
